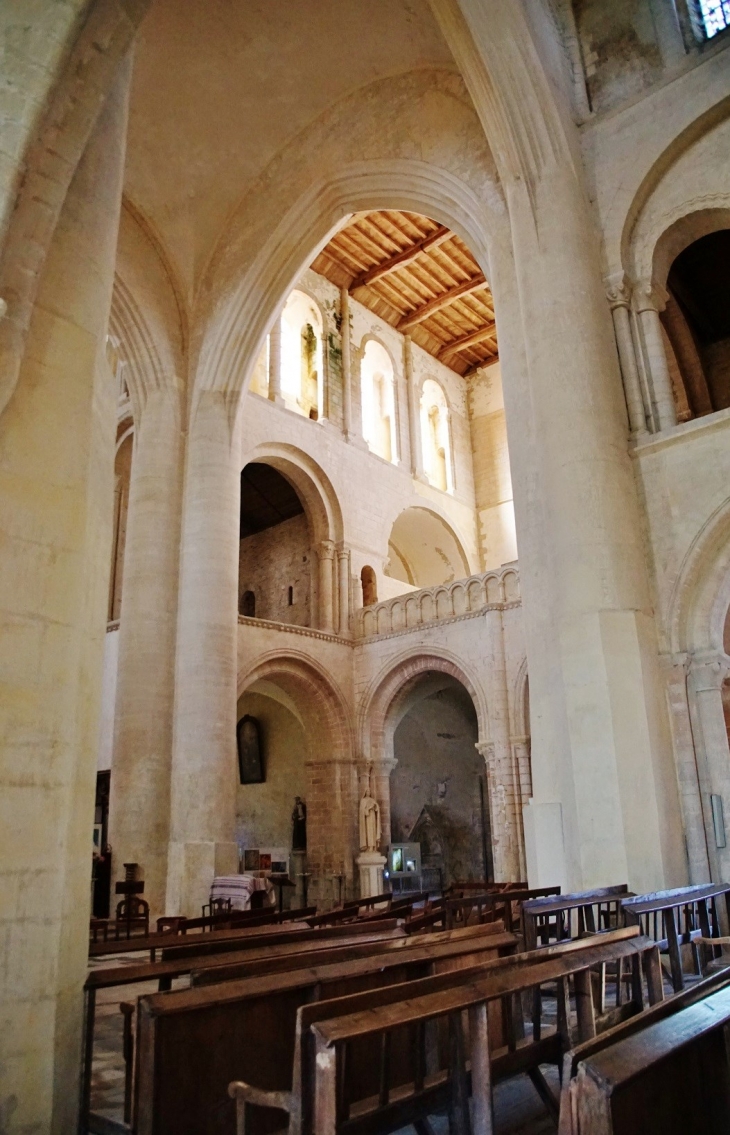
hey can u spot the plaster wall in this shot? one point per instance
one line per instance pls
(271, 562)
(492, 476)
(263, 811)
(439, 766)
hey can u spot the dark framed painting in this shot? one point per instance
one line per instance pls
(250, 756)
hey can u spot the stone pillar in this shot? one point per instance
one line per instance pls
(204, 777)
(649, 302)
(345, 332)
(707, 674)
(668, 32)
(605, 806)
(343, 589)
(356, 393)
(139, 817)
(695, 823)
(619, 299)
(326, 590)
(502, 783)
(275, 361)
(414, 411)
(56, 492)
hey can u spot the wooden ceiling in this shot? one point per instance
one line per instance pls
(421, 278)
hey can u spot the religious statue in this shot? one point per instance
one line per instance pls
(299, 825)
(370, 829)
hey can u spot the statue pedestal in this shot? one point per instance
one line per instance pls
(372, 865)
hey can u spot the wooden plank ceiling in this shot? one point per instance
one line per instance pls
(421, 278)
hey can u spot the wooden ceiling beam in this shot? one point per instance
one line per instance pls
(465, 341)
(401, 259)
(430, 308)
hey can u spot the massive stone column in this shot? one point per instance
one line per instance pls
(139, 820)
(203, 783)
(605, 805)
(56, 494)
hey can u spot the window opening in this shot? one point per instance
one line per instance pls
(248, 604)
(715, 16)
(291, 596)
(369, 586)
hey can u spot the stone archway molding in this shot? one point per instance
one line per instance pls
(314, 487)
(701, 595)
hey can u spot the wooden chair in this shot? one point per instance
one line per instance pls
(133, 913)
(215, 907)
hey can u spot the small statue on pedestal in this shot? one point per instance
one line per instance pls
(299, 825)
(370, 827)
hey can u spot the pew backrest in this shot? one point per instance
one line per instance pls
(681, 917)
(571, 916)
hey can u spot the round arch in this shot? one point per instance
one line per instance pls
(314, 487)
(320, 704)
(701, 596)
(230, 349)
(521, 702)
(435, 519)
(387, 699)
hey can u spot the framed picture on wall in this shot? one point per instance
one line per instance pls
(250, 756)
(251, 859)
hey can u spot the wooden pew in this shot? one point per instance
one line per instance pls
(237, 922)
(282, 960)
(347, 1100)
(228, 941)
(649, 1016)
(549, 920)
(299, 1100)
(494, 904)
(198, 955)
(191, 1043)
(669, 1078)
(686, 916)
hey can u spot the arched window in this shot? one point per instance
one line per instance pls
(248, 604)
(378, 402)
(302, 356)
(435, 436)
(369, 583)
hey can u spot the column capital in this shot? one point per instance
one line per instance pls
(486, 749)
(618, 290)
(343, 554)
(648, 296)
(709, 670)
(327, 550)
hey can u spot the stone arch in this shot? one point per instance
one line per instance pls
(314, 487)
(450, 462)
(701, 595)
(520, 702)
(694, 221)
(320, 702)
(435, 512)
(388, 694)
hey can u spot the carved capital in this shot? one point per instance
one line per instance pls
(326, 550)
(709, 671)
(648, 296)
(618, 290)
(486, 749)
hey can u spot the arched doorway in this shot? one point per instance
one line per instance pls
(438, 790)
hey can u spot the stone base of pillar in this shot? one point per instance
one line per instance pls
(297, 876)
(191, 870)
(543, 826)
(371, 865)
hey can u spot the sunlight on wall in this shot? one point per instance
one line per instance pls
(435, 439)
(301, 356)
(378, 407)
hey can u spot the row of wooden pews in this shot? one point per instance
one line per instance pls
(365, 1025)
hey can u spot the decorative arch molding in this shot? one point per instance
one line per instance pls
(317, 696)
(229, 352)
(657, 248)
(661, 167)
(143, 367)
(392, 685)
(700, 597)
(520, 720)
(90, 71)
(314, 487)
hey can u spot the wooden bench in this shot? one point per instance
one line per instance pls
(649, 1016)
(557, 919)
(504, 904)
(669, 1078)
(191, 1043)
(237, 922)
(686, 916)
(390, 1096)
(198, 955)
